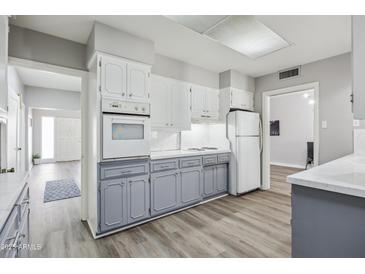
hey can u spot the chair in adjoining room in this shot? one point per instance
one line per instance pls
(309, 154)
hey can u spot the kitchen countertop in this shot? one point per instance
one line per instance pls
(345, 175)
(158, 155)
(11, 185)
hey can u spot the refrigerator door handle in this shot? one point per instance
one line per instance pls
(261, 135)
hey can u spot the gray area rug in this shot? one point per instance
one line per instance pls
(60, 189)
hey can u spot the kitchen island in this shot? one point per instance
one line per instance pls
(328, 209)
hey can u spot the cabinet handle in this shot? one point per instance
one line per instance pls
(130, 94)
(125, 172)
(171, 124)
(167, 124)
(123, 93)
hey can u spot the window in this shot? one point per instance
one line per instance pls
(47, 137)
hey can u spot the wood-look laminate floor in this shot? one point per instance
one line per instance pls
(253, 225)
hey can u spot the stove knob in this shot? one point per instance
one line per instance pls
(136, 108)
(143, 109)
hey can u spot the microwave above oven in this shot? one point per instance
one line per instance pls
(125, 136)
(126, 107)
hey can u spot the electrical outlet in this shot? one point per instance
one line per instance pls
(324, 124)
(356, 123)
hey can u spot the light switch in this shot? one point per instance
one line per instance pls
(324, 124)
(356, 123)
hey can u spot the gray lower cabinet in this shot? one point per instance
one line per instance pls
(113, 204)
(138, 197)
(215, 180)
(222, 178)
(164, 192)
(190, 184)
(208, 188)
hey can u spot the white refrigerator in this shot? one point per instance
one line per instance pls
(245, 135)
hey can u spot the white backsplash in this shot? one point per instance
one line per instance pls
(164, 140)
(205, 135)
(359, 141)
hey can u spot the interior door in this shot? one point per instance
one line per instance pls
(248, 159)
(68, 139)
(3, 61)
(160, 102)
(181, 113)
(138, 82)
(198, 104)
(13, 132)
(113, 77)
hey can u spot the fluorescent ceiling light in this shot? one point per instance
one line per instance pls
(198, 23)
(242, 33)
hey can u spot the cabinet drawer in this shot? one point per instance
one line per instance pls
(190, 162)
(110, 172)
(23, 201)
(223, 158)
(164, 165)
(210, 160)
(9, 235)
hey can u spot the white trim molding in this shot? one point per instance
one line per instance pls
(266, 126)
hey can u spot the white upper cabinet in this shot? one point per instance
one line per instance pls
(241, 99)
(113, 72)
(181, 112)
(3, 64)
(205, 103)
(138, 82)
(170, 104)
(232, 98)
(358, 66)
(160, 102)
(124, 79)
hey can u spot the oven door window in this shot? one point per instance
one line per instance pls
(123, 131)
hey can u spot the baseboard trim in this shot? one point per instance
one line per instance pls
(287, 165)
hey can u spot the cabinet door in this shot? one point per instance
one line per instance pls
(138, 198)
(180, 111)
(190, 185)
(160, 102)
(3, 62)
(358, 66)
(198, 104)
(241, 99)
(138, 82)
(221, 178)
(113, 204)
(209, 174)
(212, 103)
(164, 192)
(113, 77)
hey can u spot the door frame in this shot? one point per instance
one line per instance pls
(266, 126)
(83, 74)
(12, 95)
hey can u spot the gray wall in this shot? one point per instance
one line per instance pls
(45, 98)
(179, 70)
(41, 47)
(233, 78)
(334, 77)
(116, 42)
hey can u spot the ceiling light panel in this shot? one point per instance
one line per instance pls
(198, 23)
(247, 35)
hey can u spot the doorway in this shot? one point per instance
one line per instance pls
(59, 73)
(304, 90)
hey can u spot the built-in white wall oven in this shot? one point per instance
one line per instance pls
(126, 129)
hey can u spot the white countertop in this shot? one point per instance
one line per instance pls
(345, 175)
(11, 185)
(158, 155)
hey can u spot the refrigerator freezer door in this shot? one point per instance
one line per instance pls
(248, 164)
(247, 123)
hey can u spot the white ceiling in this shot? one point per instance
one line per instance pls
(45, 79)
(311, 37)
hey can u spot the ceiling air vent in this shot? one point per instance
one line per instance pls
(289, 73)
